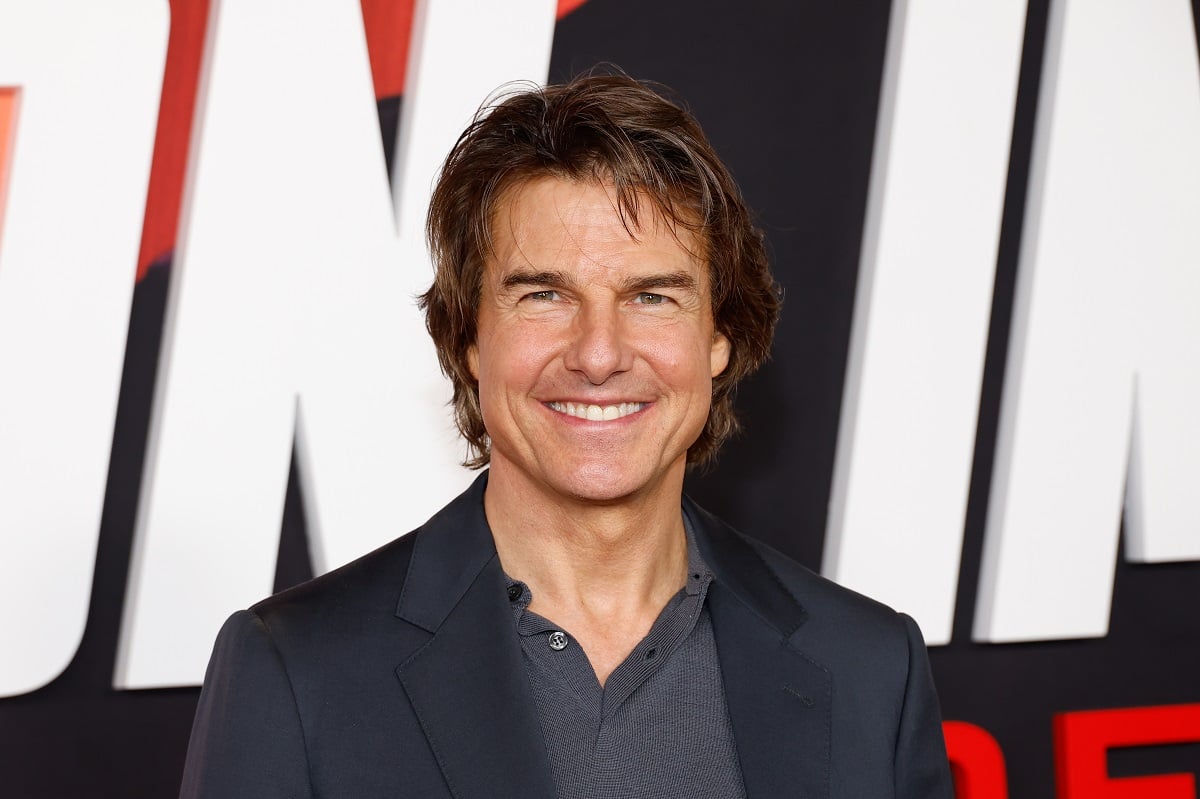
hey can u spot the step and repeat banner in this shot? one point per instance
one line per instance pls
(983, 406)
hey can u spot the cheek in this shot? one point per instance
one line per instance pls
(683, 364)
(512, 360)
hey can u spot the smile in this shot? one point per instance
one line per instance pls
(597, 413)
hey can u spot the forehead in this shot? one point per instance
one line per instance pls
(549, 222)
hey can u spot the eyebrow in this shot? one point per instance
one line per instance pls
(670, 280)
(555, 278)
(521, 278)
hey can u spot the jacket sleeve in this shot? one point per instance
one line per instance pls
(921, 768)
(247, 738)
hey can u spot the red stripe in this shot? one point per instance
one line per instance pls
(9, 102)
(388, 25)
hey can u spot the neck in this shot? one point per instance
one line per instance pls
(615, 562)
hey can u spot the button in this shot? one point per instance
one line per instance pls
(558, 641)
(514, 592)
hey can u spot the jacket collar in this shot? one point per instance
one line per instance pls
(779, 699)
(467, 684)
(456, 544)
(449, 553)
(738, 567)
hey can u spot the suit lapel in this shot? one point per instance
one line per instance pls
(468, 685)
(469, 689)
(780, 701)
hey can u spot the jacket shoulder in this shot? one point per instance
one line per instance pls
(371, 588)
(838, 624)
(353, 598)
(819, 594)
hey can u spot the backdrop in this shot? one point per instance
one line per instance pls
(980, 407)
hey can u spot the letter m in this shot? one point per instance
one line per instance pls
(1101, 405)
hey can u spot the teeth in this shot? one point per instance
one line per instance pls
(596, 413)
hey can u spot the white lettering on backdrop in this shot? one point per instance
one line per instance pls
(1103, 379)
(88, 78)
(292, 315)
(924, 296)
(292, 310)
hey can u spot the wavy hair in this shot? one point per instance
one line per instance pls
(608, 129)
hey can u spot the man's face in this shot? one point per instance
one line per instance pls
(595, 351)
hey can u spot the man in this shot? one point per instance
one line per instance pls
(571, 626)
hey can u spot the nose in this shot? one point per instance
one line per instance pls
(599, 346)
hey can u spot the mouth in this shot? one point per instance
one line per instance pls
(596, 413)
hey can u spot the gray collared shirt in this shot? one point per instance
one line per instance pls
(659, 727)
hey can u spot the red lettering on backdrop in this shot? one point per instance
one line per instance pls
(388, 25)
(8, 135)
(976, 762)
(185, 49)
(1082, 740)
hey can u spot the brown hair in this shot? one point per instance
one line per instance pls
(615, 130)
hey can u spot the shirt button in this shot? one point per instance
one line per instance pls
(558, 641)
(514, 593)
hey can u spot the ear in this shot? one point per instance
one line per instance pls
(718, 358)
(473, 361)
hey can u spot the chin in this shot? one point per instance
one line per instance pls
(605, 482)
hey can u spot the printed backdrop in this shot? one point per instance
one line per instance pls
(980, 406)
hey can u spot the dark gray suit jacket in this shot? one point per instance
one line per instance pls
(400, 675)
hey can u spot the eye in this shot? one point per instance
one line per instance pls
(649, 298)
(545, 295)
